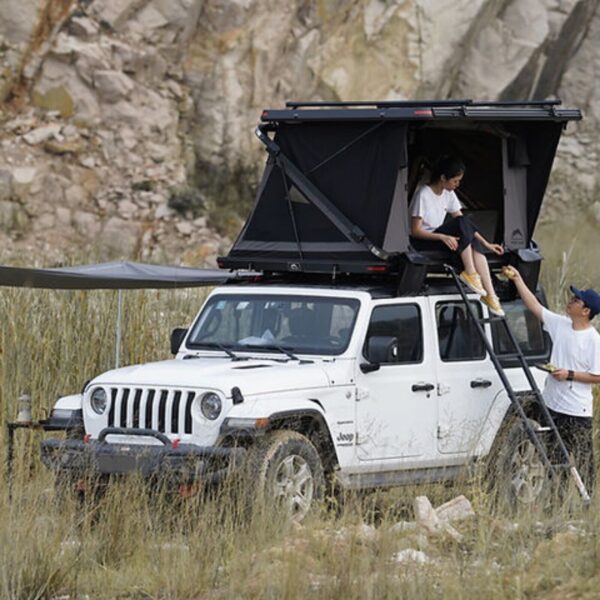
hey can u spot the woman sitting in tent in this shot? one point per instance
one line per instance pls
(428, 209)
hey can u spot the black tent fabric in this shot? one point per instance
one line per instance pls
(354, 165)
(116, 275)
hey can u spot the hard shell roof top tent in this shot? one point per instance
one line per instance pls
(339, 176)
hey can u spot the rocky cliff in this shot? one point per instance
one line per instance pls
(127, 125)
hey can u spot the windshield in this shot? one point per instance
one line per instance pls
(300, 324)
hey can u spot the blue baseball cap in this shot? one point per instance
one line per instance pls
(590, 298)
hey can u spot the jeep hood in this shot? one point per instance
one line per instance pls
(252, 376)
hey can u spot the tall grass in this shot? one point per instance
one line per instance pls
(134, 544)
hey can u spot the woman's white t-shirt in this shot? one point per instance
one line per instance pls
(576, 350)
(432, 208)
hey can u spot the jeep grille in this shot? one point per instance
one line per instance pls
(167, 411)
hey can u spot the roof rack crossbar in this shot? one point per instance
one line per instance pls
(553, 102)
(378, 104)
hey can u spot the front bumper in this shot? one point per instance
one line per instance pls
(182, 462)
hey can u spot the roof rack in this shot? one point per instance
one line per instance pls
(429, 103)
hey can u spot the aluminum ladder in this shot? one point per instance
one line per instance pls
(517, 354)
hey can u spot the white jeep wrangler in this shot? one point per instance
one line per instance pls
(349, 357)
(306, 382)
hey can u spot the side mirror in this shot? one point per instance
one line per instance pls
(382, 349)
(177, 336)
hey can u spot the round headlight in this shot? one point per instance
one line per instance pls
(98, 400)
(210, 405)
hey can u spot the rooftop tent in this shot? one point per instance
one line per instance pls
(339, 177)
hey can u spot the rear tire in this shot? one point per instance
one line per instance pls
(519, 479)
(286, 473)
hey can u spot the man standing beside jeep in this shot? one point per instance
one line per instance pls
(575, 367)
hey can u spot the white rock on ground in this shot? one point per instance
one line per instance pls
(455, 510)
(409, 555)
(428, 520)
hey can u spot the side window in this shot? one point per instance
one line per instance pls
(457, 336)
(402, 322)
(527, 330)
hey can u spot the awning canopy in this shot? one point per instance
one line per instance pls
(117, 275)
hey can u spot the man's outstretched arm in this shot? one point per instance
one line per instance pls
(528, 297)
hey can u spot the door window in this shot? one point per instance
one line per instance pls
(457, 335)
(403, 322)
(532, 339)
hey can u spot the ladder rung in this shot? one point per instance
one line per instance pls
(510, 356)
(490, 320)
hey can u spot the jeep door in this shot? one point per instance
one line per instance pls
(396, 404)
(467, 380)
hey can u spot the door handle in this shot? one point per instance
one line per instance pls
(481, 383)
(422, 387)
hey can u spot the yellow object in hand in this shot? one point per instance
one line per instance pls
(507, 272)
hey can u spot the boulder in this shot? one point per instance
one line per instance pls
(455, 510)
(76, 196)
(151, 18)
(64, 147)
(63, 215)
(6, 188)
(18, 19)
(13, 217)
(83, 27)
(91, 58)
(428, 520)
(112, 86)
(120, 237)
(113, 13)
(23, 178)
(60, 88)
(127, 209)
(164, 212)
(185, 228)
(41, 134)
(87, 224)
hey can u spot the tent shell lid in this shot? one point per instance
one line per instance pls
(422, 111)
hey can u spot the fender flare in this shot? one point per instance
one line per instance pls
(312, 423)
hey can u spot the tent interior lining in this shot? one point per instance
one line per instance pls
(481, 190)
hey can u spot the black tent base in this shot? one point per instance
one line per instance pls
(303, 265)
(407, 273)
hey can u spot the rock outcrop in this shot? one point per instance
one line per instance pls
(127, 125)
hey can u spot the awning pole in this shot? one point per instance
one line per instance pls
(118, 331)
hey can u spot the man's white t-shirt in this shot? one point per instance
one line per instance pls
(432, 208)
(575, 350)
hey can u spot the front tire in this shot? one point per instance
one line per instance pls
(286, 473)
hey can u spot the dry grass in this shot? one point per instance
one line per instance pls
(133, 544)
